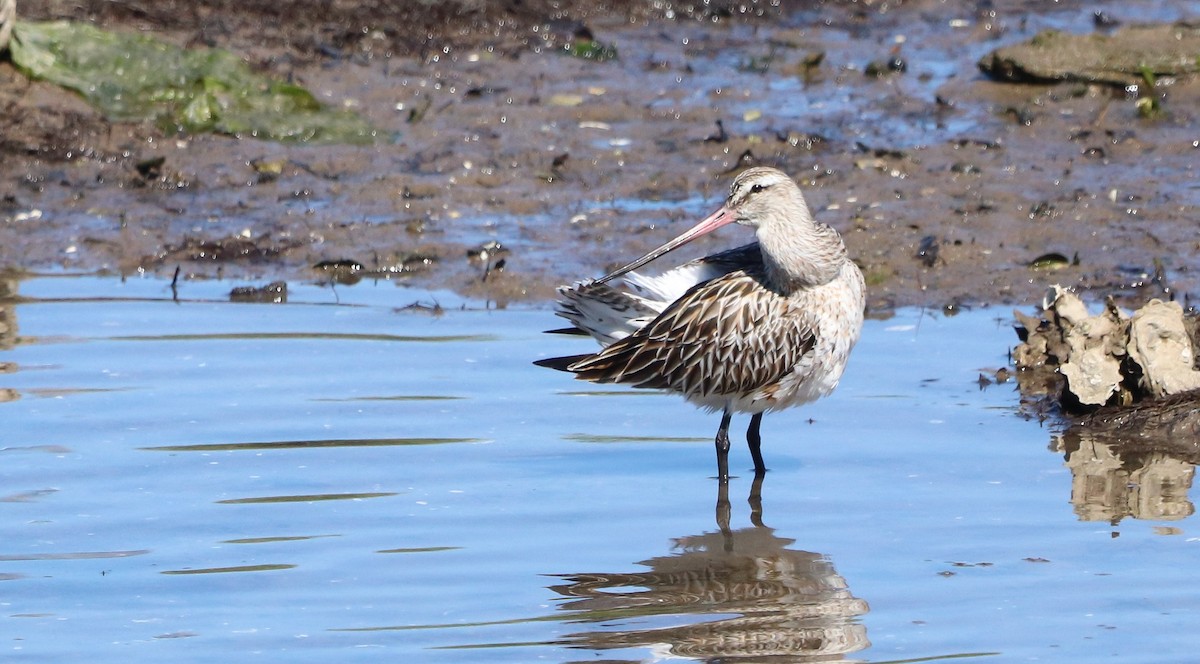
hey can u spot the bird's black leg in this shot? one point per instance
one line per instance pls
(754, 440)
(723, 448)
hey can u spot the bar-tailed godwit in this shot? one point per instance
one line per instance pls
(765, 326)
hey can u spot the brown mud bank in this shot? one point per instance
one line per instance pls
(504, 166)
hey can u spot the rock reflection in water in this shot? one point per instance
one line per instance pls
(785, 605)
(8, 314)
(1135, 462)
(8, 330)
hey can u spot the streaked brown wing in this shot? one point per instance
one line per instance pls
(731, 335)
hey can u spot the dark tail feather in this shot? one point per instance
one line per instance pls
(567, 330)
(560, 363)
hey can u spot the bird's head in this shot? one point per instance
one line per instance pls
(759, 196)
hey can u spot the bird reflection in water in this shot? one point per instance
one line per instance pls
(742, 595)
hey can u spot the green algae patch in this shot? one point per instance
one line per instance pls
(137, 77)
(591, 49)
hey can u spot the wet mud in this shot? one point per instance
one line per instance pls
(505, 166)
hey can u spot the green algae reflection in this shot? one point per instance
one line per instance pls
(306, 498)
(310, 444)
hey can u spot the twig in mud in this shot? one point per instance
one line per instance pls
(434, 309)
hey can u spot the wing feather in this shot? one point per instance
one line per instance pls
(729, 336)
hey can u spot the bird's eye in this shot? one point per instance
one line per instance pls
(754, 189)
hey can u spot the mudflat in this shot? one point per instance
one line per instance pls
(506, 164)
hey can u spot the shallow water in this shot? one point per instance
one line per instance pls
(348, 478)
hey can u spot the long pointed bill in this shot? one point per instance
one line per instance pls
(711, 223)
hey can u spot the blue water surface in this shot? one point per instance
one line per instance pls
(376, 473)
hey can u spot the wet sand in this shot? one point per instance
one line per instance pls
(951, 189)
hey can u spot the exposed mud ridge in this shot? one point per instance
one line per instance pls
(504, 167)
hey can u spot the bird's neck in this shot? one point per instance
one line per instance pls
(800, 258)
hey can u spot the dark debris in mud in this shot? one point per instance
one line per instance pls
(275, 292)
(348, 271)
(224, 250)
